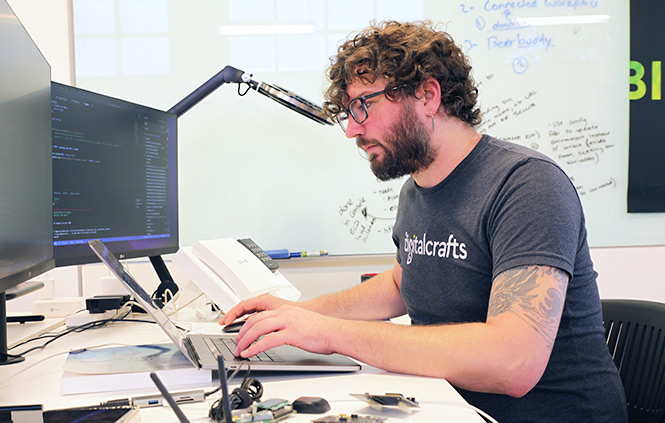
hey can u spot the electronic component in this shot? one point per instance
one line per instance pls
(261, 416)
(311, 405)
(102, 303)
(196, 395)
(270, 410)
(282, 413)
(272, 404)
(58, 307)
(265, 416)
(389, 399)
(353, 418)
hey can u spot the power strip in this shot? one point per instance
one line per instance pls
(58, 307)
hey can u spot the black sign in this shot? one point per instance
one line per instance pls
(646, 163)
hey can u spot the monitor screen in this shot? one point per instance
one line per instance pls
(114, 176)
(26, 247)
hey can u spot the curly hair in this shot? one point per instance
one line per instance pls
(405, 54)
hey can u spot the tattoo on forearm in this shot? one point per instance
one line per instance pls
(516, 290)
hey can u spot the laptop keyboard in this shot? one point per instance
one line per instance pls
(225, 346)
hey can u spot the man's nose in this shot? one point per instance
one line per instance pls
(354, 129)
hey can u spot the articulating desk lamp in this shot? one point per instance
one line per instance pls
(232, 75)
(280, 95)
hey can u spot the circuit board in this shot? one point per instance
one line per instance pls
(406, 404)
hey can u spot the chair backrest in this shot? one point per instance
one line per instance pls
(635, 334)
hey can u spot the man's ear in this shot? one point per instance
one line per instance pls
(430, 95)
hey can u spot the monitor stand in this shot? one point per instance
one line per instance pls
(166, 281)
(5, 358)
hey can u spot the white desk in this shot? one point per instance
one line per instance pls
(19, 332)
(37, 381)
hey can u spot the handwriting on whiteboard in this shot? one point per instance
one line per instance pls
(375, 214)
(514, 27)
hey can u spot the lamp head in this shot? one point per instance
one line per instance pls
(294, 102)
(279, 94)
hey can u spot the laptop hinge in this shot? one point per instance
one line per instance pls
(192, 352)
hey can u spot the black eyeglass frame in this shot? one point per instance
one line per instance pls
(342, 117)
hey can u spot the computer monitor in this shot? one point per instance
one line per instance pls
(114, 176)
(26, 244)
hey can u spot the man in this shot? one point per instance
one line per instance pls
(492, 260)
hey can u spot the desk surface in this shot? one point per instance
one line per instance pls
(37, 381)
(19, 332)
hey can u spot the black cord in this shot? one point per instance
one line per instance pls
(242, 93)
(76, 329)
(228, 378)
(250, 390)
(54, 337)
(5, 354)
(253, 387)
(159, 296)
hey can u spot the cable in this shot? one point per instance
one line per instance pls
(242, 93)
(80, 328)
(159, 297)
(182, 306)
(208, 313)
(131, 304)
(250, 390)
(253, 387)
(58, 335)
(168, 296)
(230, 377)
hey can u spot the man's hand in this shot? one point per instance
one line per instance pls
(253, 305)
(290, 325)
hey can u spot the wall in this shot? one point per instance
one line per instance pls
(534, 65)
(630, 272)
(47, 22)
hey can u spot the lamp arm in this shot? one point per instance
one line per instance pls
(228, 74)
(280, 95)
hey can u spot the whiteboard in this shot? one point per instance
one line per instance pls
(552, 75)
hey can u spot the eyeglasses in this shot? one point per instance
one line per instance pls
(357, 109)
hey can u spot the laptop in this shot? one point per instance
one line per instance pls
(203, 349)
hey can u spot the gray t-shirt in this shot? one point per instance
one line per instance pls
(506, 206)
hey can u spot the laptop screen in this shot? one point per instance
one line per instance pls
(140, 295)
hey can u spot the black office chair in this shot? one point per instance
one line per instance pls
(635, 334)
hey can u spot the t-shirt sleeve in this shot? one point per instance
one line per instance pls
(537, 219)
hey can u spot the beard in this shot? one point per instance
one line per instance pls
(406, 150)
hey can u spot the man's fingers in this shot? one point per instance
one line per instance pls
(269, 341)
(246, 307)
(256, 326)
(232, 315)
